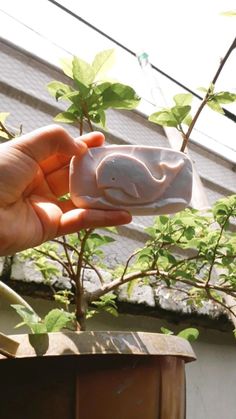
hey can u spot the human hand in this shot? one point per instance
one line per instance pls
(34, 173)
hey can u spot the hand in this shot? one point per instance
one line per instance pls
(34, 173)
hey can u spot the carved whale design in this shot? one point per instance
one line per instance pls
(127, 180)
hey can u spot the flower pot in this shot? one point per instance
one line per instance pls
(95, 375)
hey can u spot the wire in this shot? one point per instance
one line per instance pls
(227, 113)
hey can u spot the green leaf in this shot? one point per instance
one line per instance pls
(215, 106)
(30, 319)
(189, 233)
(163, 219)
(166, 331)
(202, 89)
(102, 62)
(28, 316)
(66, 117)
(58, 89)
(4, 135)
(229, 13)
(3, 116)
(38, 328)
(187, 120)
(66, 65)
(107, 303)
(191, 334)
(180, 112)
(164, 118)
(102, 86)
(225, 97)
(119, 96)
(57, 319)
(102, 118)
(82, 71)
(183, 99)
(130, 286)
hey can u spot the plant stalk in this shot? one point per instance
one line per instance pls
(205, 99)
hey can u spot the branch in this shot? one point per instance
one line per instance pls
(205, 99)
(64, 244)
(162, 275)
(95, 270)
(56, 260)
(80, 309)
(4, 129)
(216, 247)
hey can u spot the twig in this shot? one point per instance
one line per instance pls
(95, 270)
(55, 259)
(4, 129)
(64, 244)
(80, 309)
(205, 99)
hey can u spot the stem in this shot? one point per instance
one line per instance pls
(93, 267)
(231, 309)
(162, 275)
(81, 126)
(4, 129)
(56, 260)
(127, 263)
(85, 110)
(215, 249)
(65, 247)
(205, 99)
(80, 300)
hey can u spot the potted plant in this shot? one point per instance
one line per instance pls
(157, 262)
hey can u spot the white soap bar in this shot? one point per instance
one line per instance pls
(141, 179)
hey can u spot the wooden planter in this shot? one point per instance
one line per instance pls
(95, 375)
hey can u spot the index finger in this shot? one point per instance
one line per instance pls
(55, 143)
(59, 161)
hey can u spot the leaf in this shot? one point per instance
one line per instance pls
(166, 331)
(187, 120)
(183, 99)
(163, 219)
(100, 240)
(163, 118)
(3, 116)
(102, 62)
(102, 118)
(66, 65)
(28, 316)
(229, 13)
(119, 96)
(4, 135)
(65, 117)
(58, 89)
(130, 286)
(189, 233)
(82, 71)
(30, 319)
(107, 303)
(191, 334)
(180, 112)
(57, 319)
(38, 328)
(225, 97)
(215, 106)
(202, 89)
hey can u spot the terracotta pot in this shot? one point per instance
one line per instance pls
(95, 375)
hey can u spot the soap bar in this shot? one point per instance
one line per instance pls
(141, 179)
